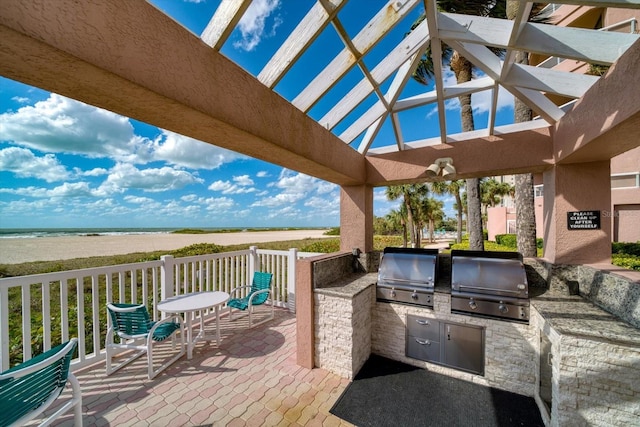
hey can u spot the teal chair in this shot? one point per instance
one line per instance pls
(258, 294)
(28, 389)
(131, 322)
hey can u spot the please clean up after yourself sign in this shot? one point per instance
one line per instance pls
(583, 220)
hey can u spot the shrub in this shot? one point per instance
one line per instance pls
(632, 262)
(627, 248)
(324, 246)
(333, 231)
(508, 240)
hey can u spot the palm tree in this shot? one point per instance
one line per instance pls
(524, 193)
(411, 195)
(431, 211)
(463, 70)
(396, 218)
(453, 188)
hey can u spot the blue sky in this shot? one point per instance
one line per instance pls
(68, 164)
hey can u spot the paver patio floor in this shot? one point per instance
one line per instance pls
(251, 380)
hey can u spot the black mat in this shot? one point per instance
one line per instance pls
(390, 393)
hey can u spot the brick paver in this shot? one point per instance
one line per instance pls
(251, 380)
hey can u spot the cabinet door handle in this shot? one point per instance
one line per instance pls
(422, 322)
(423, 342)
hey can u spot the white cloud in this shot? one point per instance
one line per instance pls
(24, 164)
(252, 24)
(262, 174)
(91, 172)
(20, 99)
(139, 200)
(187, 152)
(279, 200)
(237, 187)
(218, 204)
(63, 125)
(66, 190)
(125, 176)
(295, 187)
(59, 124)
(243, 180)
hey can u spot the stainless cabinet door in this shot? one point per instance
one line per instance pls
(463, 347)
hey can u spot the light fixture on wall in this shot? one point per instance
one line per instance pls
(443, 165)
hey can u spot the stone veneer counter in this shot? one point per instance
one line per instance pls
(349, 286)
(576, 316)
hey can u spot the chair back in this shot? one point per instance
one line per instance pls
(29, 385)
(129, 319)
(261, 281)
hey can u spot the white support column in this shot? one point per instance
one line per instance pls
(291, 279)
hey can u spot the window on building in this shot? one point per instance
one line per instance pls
(628, 180)
(538, 190)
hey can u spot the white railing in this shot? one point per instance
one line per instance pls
(38, 310)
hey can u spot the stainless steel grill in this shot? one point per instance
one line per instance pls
(407, 276)
(492, 284)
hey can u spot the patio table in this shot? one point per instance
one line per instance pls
(189, 304)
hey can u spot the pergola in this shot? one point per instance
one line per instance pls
(130, 58)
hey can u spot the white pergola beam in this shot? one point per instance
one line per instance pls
(370, 135)
(603, 47)
(473, 86)
(363, 122)
(367, 38)
(436, 52)
(409, 46)
(623, 4)
(572, 85)
(485, 60)
(223, 22)
(311, 26)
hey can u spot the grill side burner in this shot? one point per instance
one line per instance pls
(492, 284)
(407, 275)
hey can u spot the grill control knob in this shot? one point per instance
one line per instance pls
(503, 308)
(414, 296)
(473, 305)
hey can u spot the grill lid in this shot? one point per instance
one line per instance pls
(408, 266)
(494, 273)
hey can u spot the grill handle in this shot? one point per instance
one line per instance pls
(422, 322)
(423, 342)
(493, 290)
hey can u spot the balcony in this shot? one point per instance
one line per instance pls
(252, 378)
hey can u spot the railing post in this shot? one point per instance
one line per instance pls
(166, 277)
(254, 263)
(4, 329)
(291, 279)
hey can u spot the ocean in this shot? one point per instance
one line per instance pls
(29, 233)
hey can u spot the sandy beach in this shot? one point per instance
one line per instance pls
(18, 250)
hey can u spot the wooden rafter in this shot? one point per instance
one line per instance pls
(309, 28)
(370, 35)
(223, 22)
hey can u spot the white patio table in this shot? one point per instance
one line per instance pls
(189, 304)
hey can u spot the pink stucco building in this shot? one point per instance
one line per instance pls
(625, 168)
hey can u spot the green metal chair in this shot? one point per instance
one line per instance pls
(28, 389)
(131, 322)
(259, 293)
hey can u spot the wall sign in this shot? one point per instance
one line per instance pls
(583, 220)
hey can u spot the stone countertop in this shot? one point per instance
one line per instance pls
(570, 315)
(348, 286)
(573, 315)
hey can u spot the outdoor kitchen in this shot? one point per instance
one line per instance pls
(494, 319)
